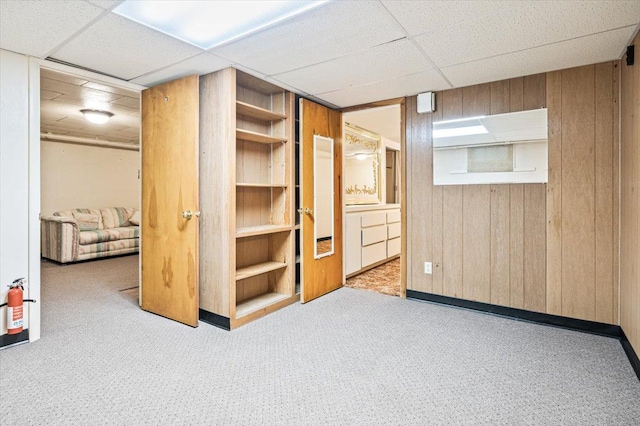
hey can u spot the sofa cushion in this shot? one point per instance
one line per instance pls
(115, 217)
(98, 236)
(108, 246)
(69, 213)
(87, 221)
(135, 217)
(127, 232)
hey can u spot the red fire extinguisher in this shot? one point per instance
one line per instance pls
(15, 306)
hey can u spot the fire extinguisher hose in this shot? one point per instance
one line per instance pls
(25, 300)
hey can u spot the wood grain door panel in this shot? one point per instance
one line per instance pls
(169, 247)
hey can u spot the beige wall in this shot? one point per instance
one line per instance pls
(82, 176)
(548, 248)
(630, 200)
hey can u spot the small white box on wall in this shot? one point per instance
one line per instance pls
(426, 102)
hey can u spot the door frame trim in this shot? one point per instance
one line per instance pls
(35, 190)
(403, 183)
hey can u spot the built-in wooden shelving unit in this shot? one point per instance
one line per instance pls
(247, 266)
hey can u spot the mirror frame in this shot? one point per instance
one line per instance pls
(370, 141)
(316, 183)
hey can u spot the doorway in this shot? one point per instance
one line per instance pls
(373, 212)
(85, 168)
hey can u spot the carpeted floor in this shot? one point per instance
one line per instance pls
(348, 358)
(383, 279)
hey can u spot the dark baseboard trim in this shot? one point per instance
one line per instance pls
(12, 339)
(592, 327)
(215, 319)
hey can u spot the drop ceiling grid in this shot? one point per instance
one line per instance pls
(572, 53)
(330, 31)
(531, 25)
(388, 89)
(375, 64)
(422, 17)
(120, 47)
(35, 28)
(203, 63)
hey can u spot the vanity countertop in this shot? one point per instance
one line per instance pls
(370, 207)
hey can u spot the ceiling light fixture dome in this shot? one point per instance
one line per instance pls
(96, 116)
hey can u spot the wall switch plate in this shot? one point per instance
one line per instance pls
(428, 268)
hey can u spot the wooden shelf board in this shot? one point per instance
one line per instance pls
(259, 302)
(258, 113)
(260, 268)
(261, 185)
(247, 135)
(250, 231)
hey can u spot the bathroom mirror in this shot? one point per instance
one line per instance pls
(361, 166)
(323, 196)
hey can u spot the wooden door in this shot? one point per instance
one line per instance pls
(170, 133)
(319, 276)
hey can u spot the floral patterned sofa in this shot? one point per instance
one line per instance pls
(81, 234)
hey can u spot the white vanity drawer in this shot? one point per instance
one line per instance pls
(373, 219)
(374, 253)
(393, 247)
(374, 234)
(393, 217)
(394, 230)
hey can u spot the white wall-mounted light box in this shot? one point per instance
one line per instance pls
(500, 148)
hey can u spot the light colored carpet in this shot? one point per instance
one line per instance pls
(383, 279)
(349, 358)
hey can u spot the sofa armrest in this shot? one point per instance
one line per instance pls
(60, 238)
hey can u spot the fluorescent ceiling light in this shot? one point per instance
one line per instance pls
(459, 131)
(95, 116)
(207, 24)
(459, 120)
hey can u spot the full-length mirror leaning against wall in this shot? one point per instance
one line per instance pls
(323, 196)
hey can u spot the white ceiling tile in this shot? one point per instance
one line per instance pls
(326, 32)
(122, 48)
(408, 85)
(418, 17)
(105, 4)
(37, 27)
(572, 53)
(532, 24)
(378, 63)
(200, 64)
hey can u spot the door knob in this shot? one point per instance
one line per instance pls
(306, 210)
(189, 214)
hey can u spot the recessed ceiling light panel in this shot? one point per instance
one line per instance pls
(207, 24)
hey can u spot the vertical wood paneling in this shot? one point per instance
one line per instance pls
(604, 210)
(408, 165)
(516, 245)
(516, 97)
(616, 192)
(452, 212)
(500, 94)
(436, 196)
(534, 91)
(476, 244)
(500, 244)
(452, 241)
(421, 207)
(630, 201)
(578, 197)
(547, 248)
(535, 253)
(554, 194)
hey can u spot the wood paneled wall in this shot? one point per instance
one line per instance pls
(541, 247)
(630, 201)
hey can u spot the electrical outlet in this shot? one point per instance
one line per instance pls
(428, 268)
